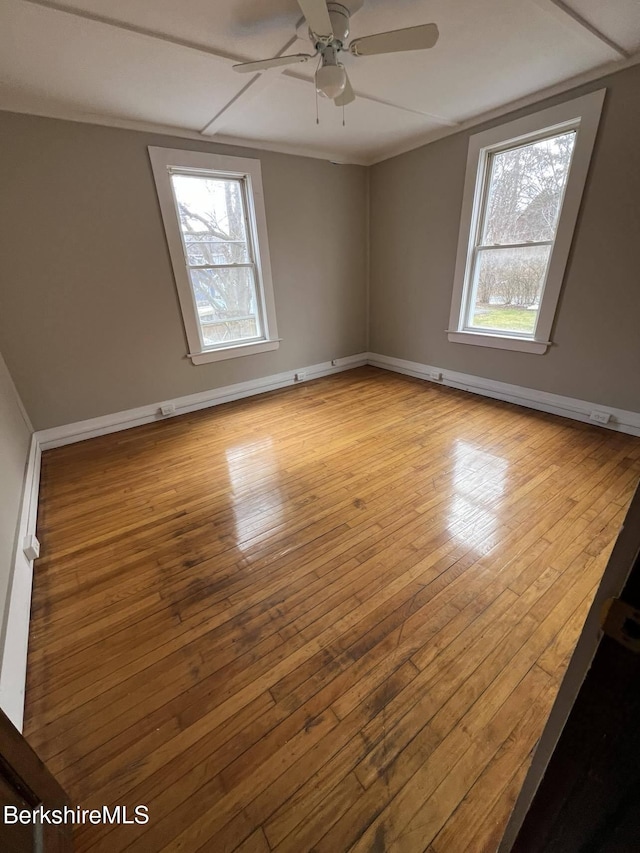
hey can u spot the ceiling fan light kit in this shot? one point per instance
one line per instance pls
(328, 24)
(331, 80)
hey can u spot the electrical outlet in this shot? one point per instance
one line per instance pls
(301, 375)
(435, 375)
(600, 417)
(167, 409)
(31, 547)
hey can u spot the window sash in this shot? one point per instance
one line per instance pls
(261, 324)
(220, 266)
(485, 171)
(241, 180)
(262, 332)
(470, 326)
(472, 286)
(524, 245)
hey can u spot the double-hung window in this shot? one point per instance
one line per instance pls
(523, 187)
(213, 212)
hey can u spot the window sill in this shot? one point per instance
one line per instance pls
(499, 342)
(233, 352)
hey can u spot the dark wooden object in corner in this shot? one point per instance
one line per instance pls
(26, 783)
(589, 798)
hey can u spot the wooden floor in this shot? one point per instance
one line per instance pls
(328, 618)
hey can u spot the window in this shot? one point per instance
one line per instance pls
(213, 212)
(523, 188)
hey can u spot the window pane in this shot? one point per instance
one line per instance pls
(507, 288)
(212, 219)
(526, 186)
(227, 304)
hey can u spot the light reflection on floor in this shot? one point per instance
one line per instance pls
(478, 480)
(257, 497)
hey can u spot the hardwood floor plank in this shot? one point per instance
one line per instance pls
(460, 827)
(255, 843)
(415, 814)
(488, 831)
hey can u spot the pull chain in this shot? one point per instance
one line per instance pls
(343, 121)
(314, 86)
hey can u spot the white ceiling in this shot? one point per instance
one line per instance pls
(168, 63)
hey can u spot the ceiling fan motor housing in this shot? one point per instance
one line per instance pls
(339, 16)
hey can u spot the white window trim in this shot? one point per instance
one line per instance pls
(581, 114)
(162, 160)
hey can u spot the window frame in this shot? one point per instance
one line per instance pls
(165, 162)
(580, 114)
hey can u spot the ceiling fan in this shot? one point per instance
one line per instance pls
(328, 30)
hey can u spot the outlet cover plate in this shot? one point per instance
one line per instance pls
(31, 547)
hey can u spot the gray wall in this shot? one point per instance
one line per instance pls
(15, 436)
(416, 201)
(90, 323)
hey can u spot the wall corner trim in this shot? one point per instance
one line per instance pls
(13, 664)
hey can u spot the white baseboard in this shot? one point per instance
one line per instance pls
(568, 407)
(81, 430)
(13, 668)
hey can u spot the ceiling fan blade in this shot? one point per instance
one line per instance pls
(346, 97)
(317, 15)
(276, 62)
(411, 38)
